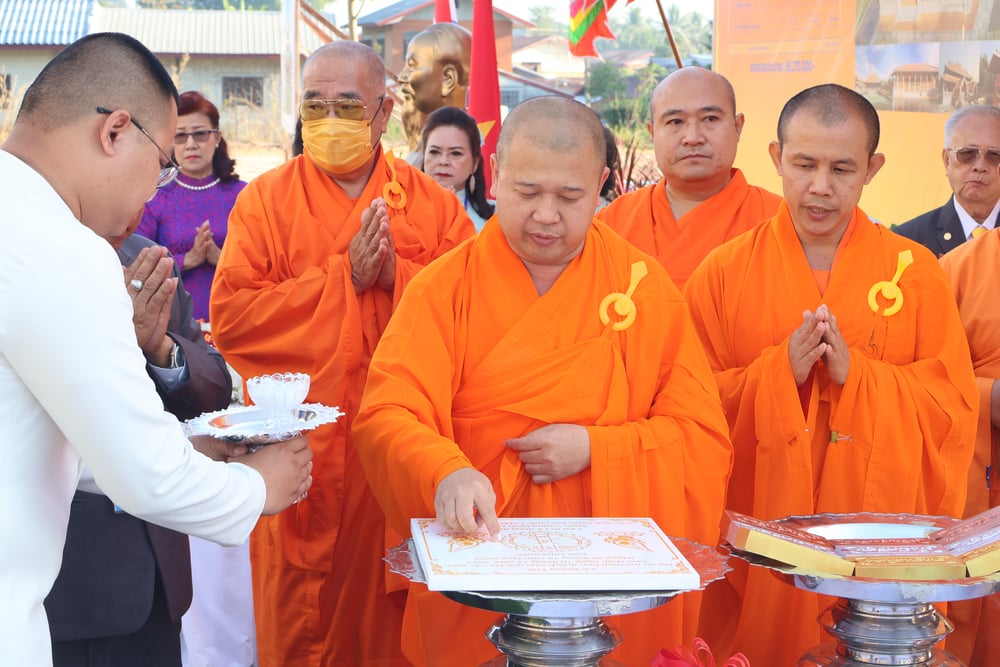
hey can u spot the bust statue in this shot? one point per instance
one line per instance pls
(436, 74)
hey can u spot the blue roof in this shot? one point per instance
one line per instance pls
(392, 11)
(44, 22)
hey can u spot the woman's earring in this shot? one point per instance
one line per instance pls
(472, 183)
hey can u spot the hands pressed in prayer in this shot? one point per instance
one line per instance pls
(553, 452)
(153, 271)
(203, 248)
(465, 500)
(372, 252)
(818, 338)
(837, 356)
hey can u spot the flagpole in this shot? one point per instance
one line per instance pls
(670, 35)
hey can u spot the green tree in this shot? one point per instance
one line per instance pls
(546, 21)
(692, 32)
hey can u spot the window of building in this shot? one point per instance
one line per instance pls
(407, 37)
(243, 90)
(510, 98)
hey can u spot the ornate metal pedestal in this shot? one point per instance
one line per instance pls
(878, 621)
(562, 629)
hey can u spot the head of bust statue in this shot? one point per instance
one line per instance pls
(436, 74)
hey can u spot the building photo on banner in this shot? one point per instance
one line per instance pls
(915, 62)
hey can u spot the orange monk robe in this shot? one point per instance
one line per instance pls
(896, 437)
(469, 361)
(283, 300)
(645, 218)
(974, 272)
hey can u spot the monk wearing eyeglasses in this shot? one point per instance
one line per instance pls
(318, 254)
(842, 363)
(971, 156)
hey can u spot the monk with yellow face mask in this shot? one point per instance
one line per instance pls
(318, 253)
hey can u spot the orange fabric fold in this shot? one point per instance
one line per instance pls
(973, 270)
(283, 300)
(466, 364)
(901, 426)
(645, 218)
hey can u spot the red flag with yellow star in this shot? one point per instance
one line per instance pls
(484, 82)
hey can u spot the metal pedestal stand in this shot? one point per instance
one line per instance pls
(878, 621)
(543, 629)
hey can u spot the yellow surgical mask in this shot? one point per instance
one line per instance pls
(338, 145)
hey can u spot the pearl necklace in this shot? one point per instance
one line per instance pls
(197, 188)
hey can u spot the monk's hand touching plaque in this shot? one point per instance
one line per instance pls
(465, 500)
(553, 452)
(806, 345)
(837, 356)
(370, 246)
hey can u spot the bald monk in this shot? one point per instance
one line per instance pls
(842, 364)
(701, 201)
(499, 384)
(319, 251)
(972, 270)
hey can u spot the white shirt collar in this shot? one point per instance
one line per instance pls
(969, 223)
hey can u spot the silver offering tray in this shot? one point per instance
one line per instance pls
(869, 525)
(877, 621)
(561, 628)
(254, 427)
(710, 563)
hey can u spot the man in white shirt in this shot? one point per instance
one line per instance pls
(87, 148)
(971, 157)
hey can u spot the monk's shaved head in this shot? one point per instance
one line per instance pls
(553, 123)
(350, 54)
(109, 70)
(693, 76)
(832, 104)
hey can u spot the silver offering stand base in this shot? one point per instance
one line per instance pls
(561, 629)
(878, 621)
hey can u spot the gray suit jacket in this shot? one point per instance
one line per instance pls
(111, 560)
(939, 230)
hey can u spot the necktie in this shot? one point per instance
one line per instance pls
(978, 231)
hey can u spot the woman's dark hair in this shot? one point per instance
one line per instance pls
(613, 161)
(455, 117)
(222, 165)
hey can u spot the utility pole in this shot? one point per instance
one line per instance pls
(289, 63)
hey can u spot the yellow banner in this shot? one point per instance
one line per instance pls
(915, 61)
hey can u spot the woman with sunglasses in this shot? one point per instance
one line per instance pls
(189, 215)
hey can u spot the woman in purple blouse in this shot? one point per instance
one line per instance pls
(190, 215)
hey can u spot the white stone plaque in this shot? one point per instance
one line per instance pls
(553, 554)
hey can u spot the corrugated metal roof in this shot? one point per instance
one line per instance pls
(196, 31)
(44, 22)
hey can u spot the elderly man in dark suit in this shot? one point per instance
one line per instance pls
(125, 583)
(971, 157)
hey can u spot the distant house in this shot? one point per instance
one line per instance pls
(233, 57)
(389, 30)
(547, 56)
(629, 60)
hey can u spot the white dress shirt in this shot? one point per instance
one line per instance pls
(74, 388)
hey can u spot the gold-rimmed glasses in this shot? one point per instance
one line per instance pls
(970, 154)
(169, 171)
(347, 108)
